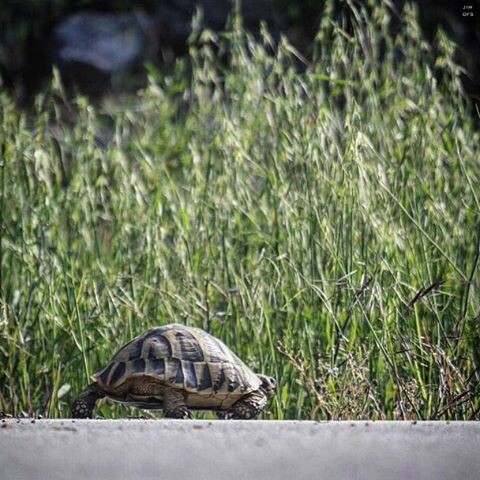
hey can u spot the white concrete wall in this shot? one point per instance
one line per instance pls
(203, 450)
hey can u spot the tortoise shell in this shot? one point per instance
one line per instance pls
(179, 357)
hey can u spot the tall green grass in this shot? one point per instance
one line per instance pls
(322, 221)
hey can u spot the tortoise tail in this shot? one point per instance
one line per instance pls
(84, 404)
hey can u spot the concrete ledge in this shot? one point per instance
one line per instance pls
(210, 450)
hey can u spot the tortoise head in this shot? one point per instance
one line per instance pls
(269, 385)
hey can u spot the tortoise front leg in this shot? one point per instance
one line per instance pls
(174, 404)
(249, 406)
(83, 406)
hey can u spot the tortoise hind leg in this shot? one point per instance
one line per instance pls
(174, 404)
(249, 406)
(83, 406)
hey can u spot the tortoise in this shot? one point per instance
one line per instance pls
(178, 368)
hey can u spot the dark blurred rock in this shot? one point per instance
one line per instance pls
(95, 51)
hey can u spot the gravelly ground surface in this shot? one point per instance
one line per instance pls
(153, 449)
